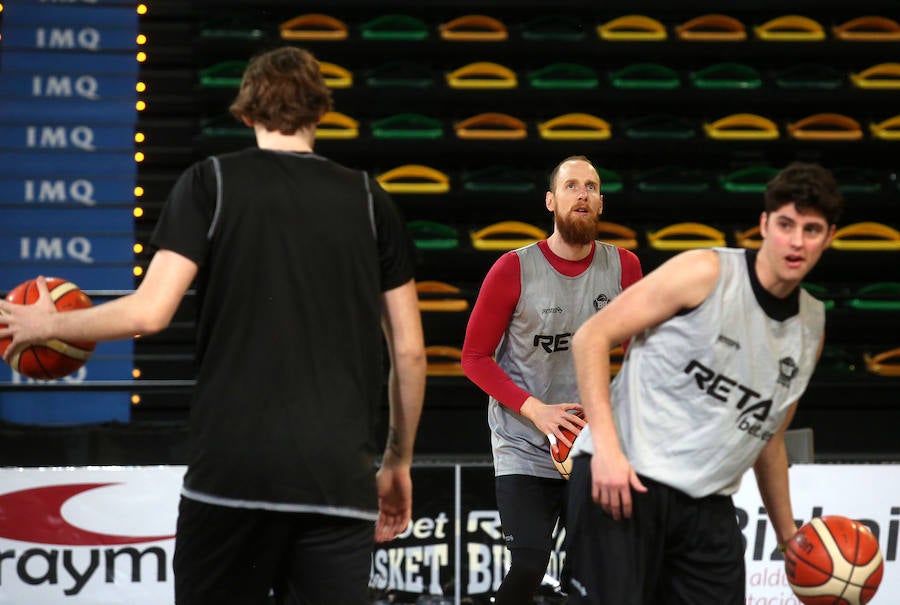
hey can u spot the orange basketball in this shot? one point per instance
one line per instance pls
(833, 560)
(561, 459)
(53, 358)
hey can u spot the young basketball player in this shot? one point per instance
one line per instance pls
(299, 263)
(723, 343)
(517, 349)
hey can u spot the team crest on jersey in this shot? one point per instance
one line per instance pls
(601, 301)
(787, 369)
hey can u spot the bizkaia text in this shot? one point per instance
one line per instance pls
(757, 534)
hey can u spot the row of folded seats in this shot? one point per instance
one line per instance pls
(438, 297)
(626, 28)
(488, 75)
(512, 234)
(674, 178)
(588, 127)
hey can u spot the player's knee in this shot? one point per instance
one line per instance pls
(529, 563)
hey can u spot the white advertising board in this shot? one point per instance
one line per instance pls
(105, 535)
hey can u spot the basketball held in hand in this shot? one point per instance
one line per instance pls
(560, 454)
(53, 358)
(833, 560)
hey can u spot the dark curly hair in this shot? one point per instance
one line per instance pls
(808, 186)
(282, 90)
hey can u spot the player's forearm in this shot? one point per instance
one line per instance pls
(590, 348)
(771, 470)
(598, 414)
(406, 393)
(147, 310)
(402, 327)
(113, 320)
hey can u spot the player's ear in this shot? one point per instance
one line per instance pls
(549, 201)
(247, 121)
(831, 230)
(763, 222)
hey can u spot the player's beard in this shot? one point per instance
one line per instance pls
(576, 229)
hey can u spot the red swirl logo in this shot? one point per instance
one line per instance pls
(35, 515)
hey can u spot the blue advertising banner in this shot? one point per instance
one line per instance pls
(66, 145)
(57, 191)
(77, 111)
(64, 407)
(74, 137)
(88, 13)
(66, 220)
(86, 249)
(63, 164)
(95, 276)
(68, 61)
(59, 86)
(79, 37)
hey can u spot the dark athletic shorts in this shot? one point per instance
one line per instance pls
(674, 550)
(237, 556)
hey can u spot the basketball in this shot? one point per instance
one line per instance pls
(559, 452)
(833, 560)
(53, 358)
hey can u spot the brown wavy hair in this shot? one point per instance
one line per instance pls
(808, 186)
(283, 90)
